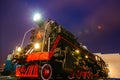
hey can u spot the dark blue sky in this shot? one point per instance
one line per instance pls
(96, 23)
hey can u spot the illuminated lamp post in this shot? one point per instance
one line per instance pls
(37, 17)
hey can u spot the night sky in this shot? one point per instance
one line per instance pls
(96, 23)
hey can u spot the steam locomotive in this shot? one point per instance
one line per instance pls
(53, 52)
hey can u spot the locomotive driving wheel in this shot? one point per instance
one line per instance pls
(46, 72)
(71, 76)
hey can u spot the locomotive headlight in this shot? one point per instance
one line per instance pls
(86, 56)
(37, 45)
(18, 49)
(77, 51)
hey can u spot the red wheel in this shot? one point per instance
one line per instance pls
(71, 75)
(78, 74)
(46, 72)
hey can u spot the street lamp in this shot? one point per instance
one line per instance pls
(37, 17)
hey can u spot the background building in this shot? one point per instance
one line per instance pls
(113, 61)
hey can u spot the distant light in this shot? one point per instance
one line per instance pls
(37, 17)
(3, 64)
(37, 45)
(99, 27)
